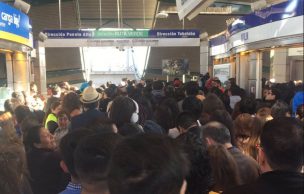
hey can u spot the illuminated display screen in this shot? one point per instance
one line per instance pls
(116, 59)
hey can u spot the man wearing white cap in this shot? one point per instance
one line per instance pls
(90, 100)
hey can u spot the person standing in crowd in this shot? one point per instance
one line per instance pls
(300, 112)
(223, 117)
(199, 179)
(71, 104)
(14, 177)
(247, 133)
(186, 122)
(130, 113)
(54, 96)
(280, 109)
(149, 164)
(190, 89)
(84, 85)
(216, 83)
(92, 159)
(51, 121)
(21, 112)
(158, 93)
(224, 169)
(298, 100)
(90, 100)
(43, 161)
(108, 95)
(67, 148)
(264, 114)
(217, 133)
(280, 159)
(34, 101)
(62, 130)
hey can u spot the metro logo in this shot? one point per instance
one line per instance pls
(11, 19)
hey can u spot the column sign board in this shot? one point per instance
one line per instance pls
(14, 25)
(186, 7)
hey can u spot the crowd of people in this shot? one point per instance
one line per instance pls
(153, 137)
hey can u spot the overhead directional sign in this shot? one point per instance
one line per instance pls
(120, 34)
(157, 38)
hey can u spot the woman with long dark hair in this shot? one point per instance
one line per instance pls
(43, 161)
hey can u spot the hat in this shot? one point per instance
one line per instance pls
(90, 95)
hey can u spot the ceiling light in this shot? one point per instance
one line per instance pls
(162, 14)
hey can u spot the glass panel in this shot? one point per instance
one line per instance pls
(3, 72)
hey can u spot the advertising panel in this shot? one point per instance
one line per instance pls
(222, 72)
(175, 67)
(14, 25)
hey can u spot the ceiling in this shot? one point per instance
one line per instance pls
(136, 14)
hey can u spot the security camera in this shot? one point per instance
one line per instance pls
(204, 35)
(42, 36)
(23, 6)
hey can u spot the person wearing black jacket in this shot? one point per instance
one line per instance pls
(46, 176)
(280, 159)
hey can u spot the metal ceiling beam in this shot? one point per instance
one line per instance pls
(234, 2)
(131, 19)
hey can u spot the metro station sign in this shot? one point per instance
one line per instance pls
(120, 34)
(97, 38)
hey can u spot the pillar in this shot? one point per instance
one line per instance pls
(255, 73)
(18, 71)
(40, 70)
(237, 68)
(279, 70)
(9, 70)
(243, 71)
(204, 57)
(259, 75)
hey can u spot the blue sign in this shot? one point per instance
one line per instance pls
(174, 34)
(14, 21)
(69, 34)
(218, 40)
(274, 13)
